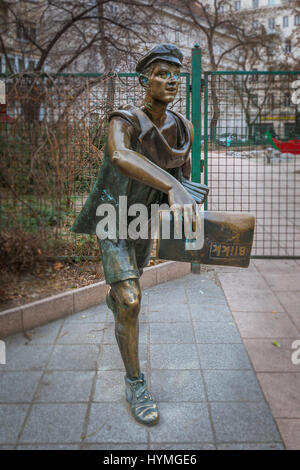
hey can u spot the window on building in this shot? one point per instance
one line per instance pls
(254, 99)
(237, 5)
(271, 2)
(270, 100)
(255, 3)
(3, 19)
(25, 33)
(285, 21)
(287, 46)
(296, 20)
(271, 23)
(287, 99)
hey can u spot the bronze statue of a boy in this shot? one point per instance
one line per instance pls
(146, 157)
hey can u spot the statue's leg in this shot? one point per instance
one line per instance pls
(122, 268)
(127, 297)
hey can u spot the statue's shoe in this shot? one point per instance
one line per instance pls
(111, 303)
(143, 407)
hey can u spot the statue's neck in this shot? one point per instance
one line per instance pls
(156, 110)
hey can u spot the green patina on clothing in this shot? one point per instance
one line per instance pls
(125, 259)
(112, 183)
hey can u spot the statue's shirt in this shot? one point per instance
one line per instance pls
(150, 142)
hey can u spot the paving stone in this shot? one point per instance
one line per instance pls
(113, 423)
(289, 300)
(182, 447)
(243, 422)
(182, 423)
(121, 446)
(232, 385)
(295, 317)
(18, 386)
(250, 301)
(242, 281)
(171, 333)
(265, 325)
(49, 447)
(213, 312)
(266, 357)
(173, 356)
(65, 386)
(45, 334)
(57, 423)
(290, 432)
(169, 313)
(95, 314)
(110, 338)
(200, 293)
(70, 357)
(110, 357)
(283, 281)
(223, 356)
(81, 333)
(165, 296)
(11, 419)
(177, 385)
(26, 357)
(216, 332)
(110, 386)
(275, 266)
(282, 393)
(246, 446)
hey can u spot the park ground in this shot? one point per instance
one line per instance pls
(217, 350)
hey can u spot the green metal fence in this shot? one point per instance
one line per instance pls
(251, 140)
(51, 143)
(53, 137)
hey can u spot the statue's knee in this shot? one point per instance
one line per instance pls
(128, 297)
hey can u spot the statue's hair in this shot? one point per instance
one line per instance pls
(146, 72)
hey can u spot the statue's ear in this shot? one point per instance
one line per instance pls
(144, 81)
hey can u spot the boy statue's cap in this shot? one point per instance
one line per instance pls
(167, 52)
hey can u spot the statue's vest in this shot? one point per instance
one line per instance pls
(112, 183)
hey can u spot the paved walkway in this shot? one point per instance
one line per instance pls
(265, 303)
(64, 388)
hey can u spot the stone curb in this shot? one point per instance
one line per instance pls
(43, 311)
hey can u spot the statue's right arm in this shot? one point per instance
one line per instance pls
(137, 166)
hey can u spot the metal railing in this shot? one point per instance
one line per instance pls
(251, 142)
(52, 142)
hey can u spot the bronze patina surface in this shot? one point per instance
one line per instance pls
(228, 238)
(146, 159)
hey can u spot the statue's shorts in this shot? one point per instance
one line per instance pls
(124, 259)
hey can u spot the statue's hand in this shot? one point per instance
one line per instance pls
(178, 198)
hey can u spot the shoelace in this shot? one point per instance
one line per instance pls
(144, 392)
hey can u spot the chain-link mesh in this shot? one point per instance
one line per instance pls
(252, 153)
(52, 142)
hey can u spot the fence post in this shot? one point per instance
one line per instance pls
(196, 120)
(196, 112)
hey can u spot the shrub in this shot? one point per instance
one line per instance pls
(19, 250)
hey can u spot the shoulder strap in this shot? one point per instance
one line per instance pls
(127, 112)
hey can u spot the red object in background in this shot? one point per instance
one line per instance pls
(6, 118)
(3, 116)
(284, 146)
(290, 146)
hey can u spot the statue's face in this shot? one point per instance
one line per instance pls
(164, 81)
